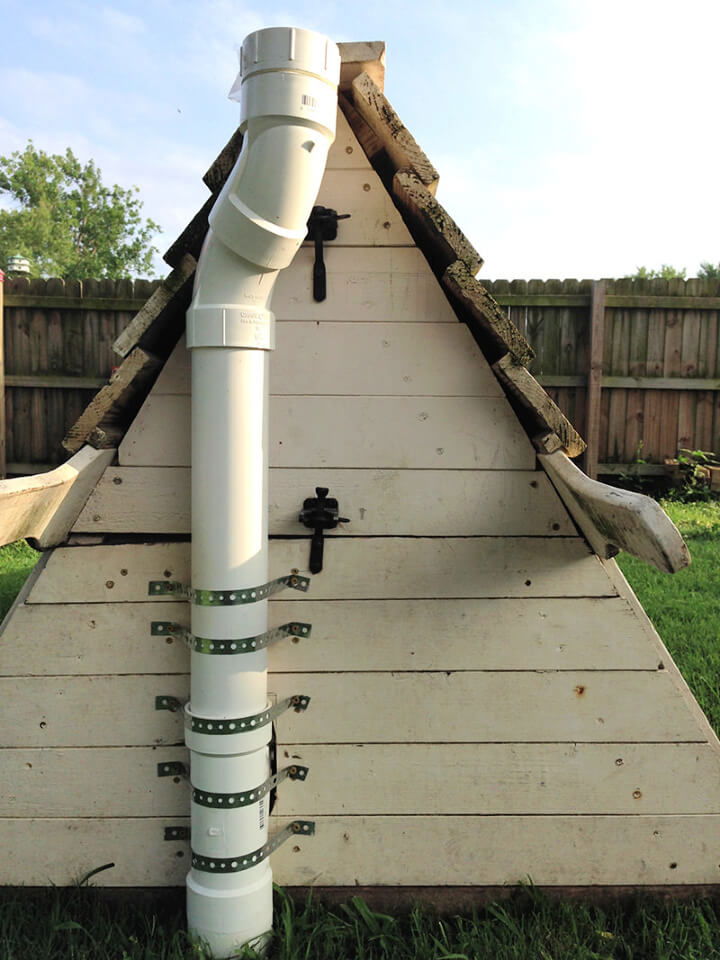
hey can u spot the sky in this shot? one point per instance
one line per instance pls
(574, 138)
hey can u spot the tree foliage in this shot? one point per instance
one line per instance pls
(665, 272)
(709, 271)
(67, 222)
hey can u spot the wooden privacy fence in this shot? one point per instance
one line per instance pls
(635, 364)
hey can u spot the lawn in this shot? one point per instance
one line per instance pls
(80, 924)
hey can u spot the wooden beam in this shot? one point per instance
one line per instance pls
(42, 382)
(629, 383)
(42, 302)
(158, 303)
(365, 56)
(548, 426)
(594, 378)
(432, 227)
(479, 309)
(44, 507)
(118, 399)
(220, 169)
(394, 137)
(614, 519)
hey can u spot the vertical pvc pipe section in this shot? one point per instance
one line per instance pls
(288, 89)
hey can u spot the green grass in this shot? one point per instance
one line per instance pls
(685, 607)
(79, 924)
(16, 562)
(83, 924)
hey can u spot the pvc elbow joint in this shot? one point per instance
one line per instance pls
(288, 90)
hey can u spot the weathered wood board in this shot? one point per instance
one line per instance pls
(374, 284)
(377, 502)
(382, 779)
(363, 359)
(585, 633)
(350, 851)
(404, 432)
(355, 569)
(430, 707)
(374, 219)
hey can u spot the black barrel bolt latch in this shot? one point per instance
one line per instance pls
(320, 513)
(322, 226)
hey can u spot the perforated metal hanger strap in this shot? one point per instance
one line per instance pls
(247, 797)
(247, 861)
(167, 628)
(227, 598)
(215, 727)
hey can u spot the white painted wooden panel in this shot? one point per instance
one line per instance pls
(526, 634)
(374, 219)
(377, 502)
(383, 779)
(363, 283)
(346, 152)
(402, 432)
(431, 707)
(363, 359)
(404, 851)
(355, 569)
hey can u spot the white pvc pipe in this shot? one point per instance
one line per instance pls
(287, 85)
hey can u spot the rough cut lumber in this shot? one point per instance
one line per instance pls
(530, 633)
(388, 359)
(614, 519)
(399, 144)
(434, 230)
(190, 241)
(481, 312)
(468, 706)
(545, 416)
(355, 569)
(474, 433)
(159, 302)
(362, 57)
(119, 398)
(44, 507)
(347, 851)
(377, 502)
(224, 162)
(416, 779)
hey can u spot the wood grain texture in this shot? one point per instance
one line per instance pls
(355, 568)
(387, 359)
(126, 388)
(374, 220)
(365, 432)
(614, 520)
(397, 141)
(477, 307)
(363, 284)
(159, 302)
(402, 707)
(345, 152)
(546, 415)
(382, 779)
(424, 851)
(362, 57)
(377, 502)
(488, 634)
(434, 230)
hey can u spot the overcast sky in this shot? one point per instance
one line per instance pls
(574, 138)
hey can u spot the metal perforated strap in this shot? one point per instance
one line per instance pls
(226, 598)
(246, 861)
(163, 628)
(215, 727)
(244, 799)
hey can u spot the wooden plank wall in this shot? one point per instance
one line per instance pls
(654, 334)
(487, 703)
(58, 352)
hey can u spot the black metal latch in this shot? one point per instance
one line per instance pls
(320, 513)
(322, 226)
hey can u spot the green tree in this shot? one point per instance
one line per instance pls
(709, 271)
(67, 222)
(665, 272)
